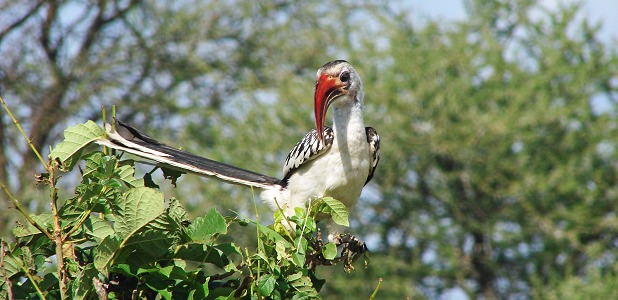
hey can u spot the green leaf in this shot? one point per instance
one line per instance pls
(45, 220)
(124, 269)
(83, 282)
(127, 175)
(92, 161)
(141, 206)
(176, 211)
(228, 248)
(172, 174)
(156, 238)
(337, 210)
(12, 264)
(329, 251)
(203, 228)
(272, 235)
(105, 252)
(266, 284)
(159, 283)
(151, 242)
(75, 139)
(298, 259)
(199, 290)
(203, 254)
(49, 282)
(302, 284)
(280, 250)
(98, 228)
(173, 272)
(301, 245)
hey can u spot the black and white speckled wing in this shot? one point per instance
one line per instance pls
(373, 139)
(307, 149)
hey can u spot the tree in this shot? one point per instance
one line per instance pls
(187, 61)
(498, 171)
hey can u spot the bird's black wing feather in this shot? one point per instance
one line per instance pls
(373, 139)
(142, 145)
(306, 150)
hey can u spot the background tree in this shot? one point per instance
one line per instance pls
(498, 171)
(174, 69)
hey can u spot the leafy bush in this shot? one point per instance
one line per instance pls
(117, 237)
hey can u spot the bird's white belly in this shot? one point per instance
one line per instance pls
(333, 175)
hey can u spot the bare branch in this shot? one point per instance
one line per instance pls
(46, 28)
(21, 20)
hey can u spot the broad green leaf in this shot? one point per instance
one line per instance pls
(203, 254)
(337, 210)
(173, 272)
(176, 211)
(203, 228)
(159, 283)
(151, 242)
(105, 252)
(280, 250)
(228, 248)
(301, 244)
(329, 251)
(49, 281)
(199, 290)
(127, 174)
(124, 269)
(83, 282)
(272, 235)
(141, 206)
(92, 161)
(298, 259)
(98, 228)
(266, 284)
(302, 284)
(75, 139)
(45, 220)
(12, 264)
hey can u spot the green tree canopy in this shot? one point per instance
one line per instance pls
(499, 165)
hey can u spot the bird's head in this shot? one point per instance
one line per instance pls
(336, 81)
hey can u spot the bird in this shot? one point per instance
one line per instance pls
(335, 161)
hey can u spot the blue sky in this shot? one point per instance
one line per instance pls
(605, 11)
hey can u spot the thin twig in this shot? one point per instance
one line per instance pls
(9, 287)
(23, 133)
(286, 219)
(81, 221)
(375, 292)
(34, 283)
(24, 213)
(302, 231)
(57, 232)
(104, 117)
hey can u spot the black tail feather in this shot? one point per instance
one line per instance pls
(135, 142)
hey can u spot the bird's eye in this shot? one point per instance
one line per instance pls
(344, 77)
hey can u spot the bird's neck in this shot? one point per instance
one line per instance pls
(348, 123)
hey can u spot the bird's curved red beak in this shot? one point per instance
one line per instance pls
(326, 90)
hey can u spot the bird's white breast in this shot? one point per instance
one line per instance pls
(340, 172)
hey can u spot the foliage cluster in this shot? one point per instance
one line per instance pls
(118, 238)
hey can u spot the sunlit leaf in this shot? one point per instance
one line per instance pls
(75, 139)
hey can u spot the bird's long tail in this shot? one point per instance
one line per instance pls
(141, 145)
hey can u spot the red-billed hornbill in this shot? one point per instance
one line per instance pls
(335, 162)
